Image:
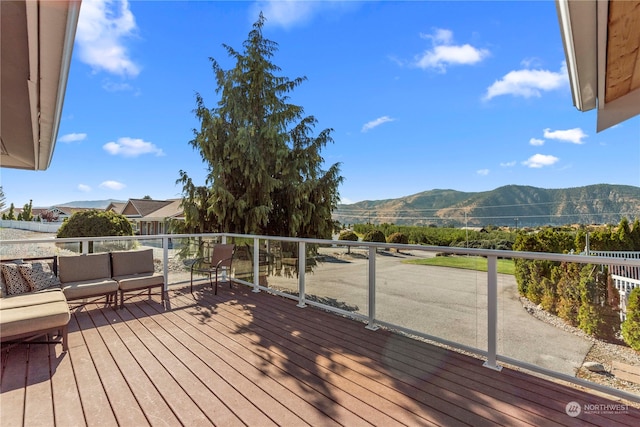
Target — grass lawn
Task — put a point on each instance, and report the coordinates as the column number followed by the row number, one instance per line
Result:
column 505, row 266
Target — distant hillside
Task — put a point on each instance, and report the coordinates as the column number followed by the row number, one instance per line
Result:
column 511, row 205
column 95, row 204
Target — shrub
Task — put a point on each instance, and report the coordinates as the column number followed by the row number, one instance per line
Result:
column 374, row 236
column 94, row 223
column 631, row 326
column 348, row 235
column 399, row 238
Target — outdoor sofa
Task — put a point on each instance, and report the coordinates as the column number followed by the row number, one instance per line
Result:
column 32, row 303
column 34, row 300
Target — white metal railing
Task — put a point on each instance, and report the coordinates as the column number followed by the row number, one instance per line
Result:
column 372, row 321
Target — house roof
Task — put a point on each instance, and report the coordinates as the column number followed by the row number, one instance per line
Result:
column 152, row 208
column 117, row 207
column 602, row 47
column 37, row 42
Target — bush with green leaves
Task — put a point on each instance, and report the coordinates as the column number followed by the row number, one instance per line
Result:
column 399, row 238
column 95, row 223
column 348, row 235
column 374, row 236
column 631, row 326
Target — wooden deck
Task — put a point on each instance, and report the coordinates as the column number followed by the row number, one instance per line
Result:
column 241, row 358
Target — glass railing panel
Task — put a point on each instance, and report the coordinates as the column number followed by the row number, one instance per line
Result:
column 550, row 314
column 415, row 292
column 278, row 265
column 337, row 276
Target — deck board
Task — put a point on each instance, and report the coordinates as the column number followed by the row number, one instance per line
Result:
column 241, row 358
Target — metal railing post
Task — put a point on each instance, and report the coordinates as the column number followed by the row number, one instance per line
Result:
column 302, row 267
column 492, row 313
column 165, row 262
column 256, row 265
column 372, row 289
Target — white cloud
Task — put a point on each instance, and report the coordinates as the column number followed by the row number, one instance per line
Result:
column 483, row 172
column 291, row 13
column 285, row 13
column 346, row 201
column 131, row 147
column 444, row 53
column 110, row 86
column 536, row 141
column 574, row 135
column 540, row 160
column 508, row 164
column 84, row 188
column 528, row 83
column 103, row 26
column 375, row 123
column 73, row 137
column 112, row 185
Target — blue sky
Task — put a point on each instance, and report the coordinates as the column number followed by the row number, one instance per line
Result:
column 468, row 96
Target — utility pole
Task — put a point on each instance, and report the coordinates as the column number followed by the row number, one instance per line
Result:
column 516, row 219
column 466, row 228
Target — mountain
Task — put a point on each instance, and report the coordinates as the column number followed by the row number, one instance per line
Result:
column 95, row 204
column 511, row 205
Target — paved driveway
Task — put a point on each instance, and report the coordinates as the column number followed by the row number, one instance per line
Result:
column 443, row 302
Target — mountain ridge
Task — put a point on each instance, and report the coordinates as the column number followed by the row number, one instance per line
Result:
column 504, row 206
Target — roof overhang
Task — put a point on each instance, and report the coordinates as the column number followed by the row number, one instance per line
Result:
column 36, row 40
column 602, row 47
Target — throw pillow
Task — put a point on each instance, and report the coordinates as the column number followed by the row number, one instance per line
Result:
column 3, row 286
column 38, row 275
column 14, row 280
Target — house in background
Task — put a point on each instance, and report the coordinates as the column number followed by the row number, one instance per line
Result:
column 149, row 217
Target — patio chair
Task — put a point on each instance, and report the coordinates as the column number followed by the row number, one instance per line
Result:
column 220, row 258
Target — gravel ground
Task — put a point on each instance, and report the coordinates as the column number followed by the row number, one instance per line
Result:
column 601, row 352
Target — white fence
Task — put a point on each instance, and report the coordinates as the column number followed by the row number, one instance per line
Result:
column 625, row 277
column 42, row 227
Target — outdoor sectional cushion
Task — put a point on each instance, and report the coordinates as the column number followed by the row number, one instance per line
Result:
column 76, row 268
column 139, row 281
column 89, row 288
column 126, row 263
column 85, row 276
column 33, row 312
column 134, row 270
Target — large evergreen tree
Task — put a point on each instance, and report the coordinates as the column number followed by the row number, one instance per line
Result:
column 264, row 165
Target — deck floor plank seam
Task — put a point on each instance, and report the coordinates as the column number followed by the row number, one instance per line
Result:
column 146, row 393
column 112, row 379
column 200, row 370
column 272, row 385
column 539, row 416
column 93, row 397
column 14, row 385
column 66, row 398
column 172, row 390
column 480, row 374
column 490, row 413
column 447, row 420
column 317, row 355
column 285, row 378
